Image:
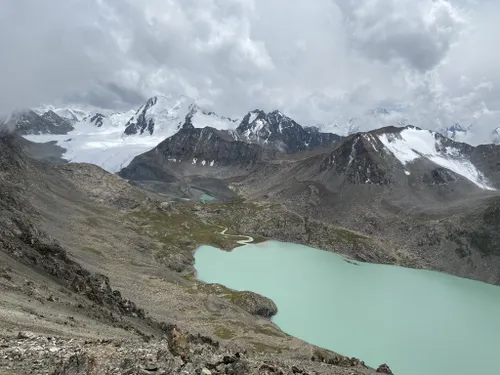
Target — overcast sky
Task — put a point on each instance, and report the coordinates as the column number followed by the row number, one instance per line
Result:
column 435, row 61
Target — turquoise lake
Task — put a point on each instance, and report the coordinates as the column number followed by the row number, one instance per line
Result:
column 418, row 322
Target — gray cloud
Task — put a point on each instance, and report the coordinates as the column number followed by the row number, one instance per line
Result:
column 321, row 60
column 419, row 33
column 108, row 95
column 49, row 48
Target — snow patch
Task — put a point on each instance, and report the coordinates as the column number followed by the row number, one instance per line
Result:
column 353, row 152
column 411, row 144
column 259, row 124
column 201, row 119
column 253, row 116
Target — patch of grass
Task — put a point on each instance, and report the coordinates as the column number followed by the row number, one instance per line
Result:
column 186, row 228
column 265, row 348
column 258, row 239
column 181, row 231
column 267, row 331
column 224, row 333
column 190, row 277
column 89, row 249
column 347, row 236
column 92, row 222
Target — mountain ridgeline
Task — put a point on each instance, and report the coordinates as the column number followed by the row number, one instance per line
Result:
column 29, row 122
column 281, row 132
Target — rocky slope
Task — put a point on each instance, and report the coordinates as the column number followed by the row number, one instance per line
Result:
column 102, row 276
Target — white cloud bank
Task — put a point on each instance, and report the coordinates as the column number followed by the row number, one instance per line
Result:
column 433, row 61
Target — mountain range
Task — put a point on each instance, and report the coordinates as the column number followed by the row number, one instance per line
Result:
column 112, row 141
column 173, row 148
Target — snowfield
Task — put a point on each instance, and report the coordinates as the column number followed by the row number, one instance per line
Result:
column 411, row 144
column 105, row 146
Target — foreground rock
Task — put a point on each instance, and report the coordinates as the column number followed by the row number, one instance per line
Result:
column 255, row 304
column 176, row 353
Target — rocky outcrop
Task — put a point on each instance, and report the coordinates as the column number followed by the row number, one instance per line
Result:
column 199, row 356
column 255, row 304
column 384, row 369
column 97, row 119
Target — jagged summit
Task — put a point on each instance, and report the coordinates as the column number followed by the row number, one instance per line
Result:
column 274, row 129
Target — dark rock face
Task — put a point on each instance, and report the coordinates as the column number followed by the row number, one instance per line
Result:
column 358, row 160
column 384, row 369
column 97, row 119
column 279, row 131
column 205, row 147
column 139, row 124
column 210, row 145
column 439, row 176
column 28, row 122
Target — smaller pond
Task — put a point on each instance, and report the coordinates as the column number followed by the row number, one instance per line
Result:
column 207, row 198
column 419, row 322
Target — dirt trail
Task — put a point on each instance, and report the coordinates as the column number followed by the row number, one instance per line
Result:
column 239, row 242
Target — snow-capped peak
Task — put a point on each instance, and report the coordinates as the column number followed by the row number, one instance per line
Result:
column 260, row 125
column 165, row 115
column 279, row 131
column 160, row 114
column 413, row 143
column 496, row 136
column 72, row 114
